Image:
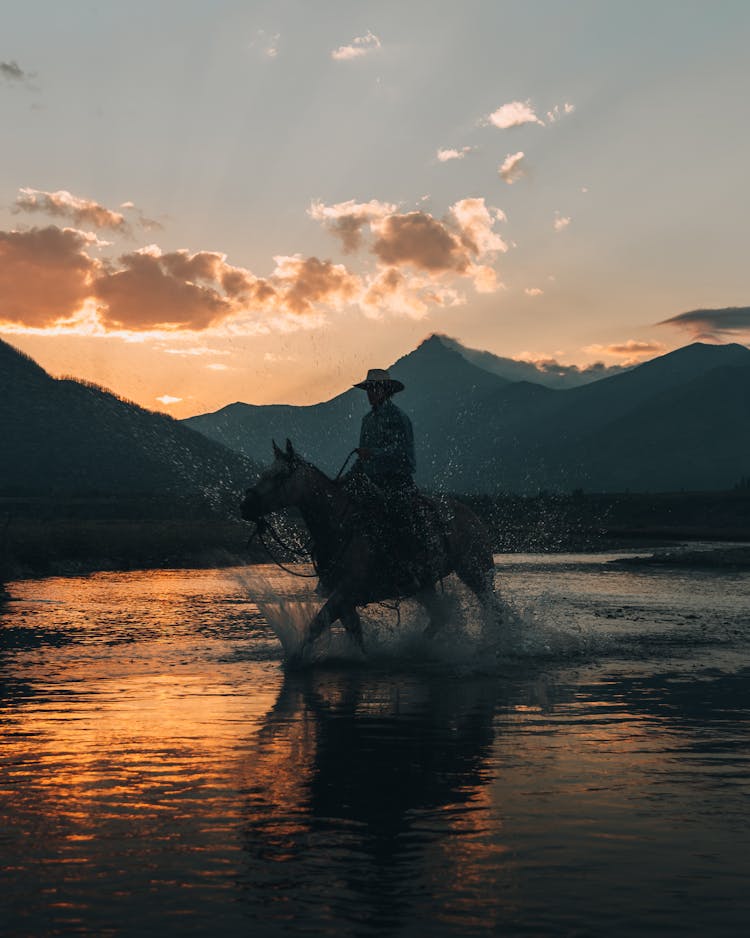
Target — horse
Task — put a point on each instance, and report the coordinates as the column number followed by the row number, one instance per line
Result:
column 353, row 565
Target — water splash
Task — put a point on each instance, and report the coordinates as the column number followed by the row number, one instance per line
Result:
column 477, row 637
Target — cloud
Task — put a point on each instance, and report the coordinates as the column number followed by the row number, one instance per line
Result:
column 418, row 239
column 152, row 290
column 359, row 46
column 305, row 281
column 533, row 291
column 200, row 350
column 559, row 111
column 347, row 219
column 394, row 291
column 48, row 280
column 475, row 221
column 64, row 204
column 513, row 114
column 511, row 169
column 561, row 222
column 12, row 71
column 712, row 324
column 445, row 155
column 45, row 275
column 149, row 224
column 167, row 399
column 632, row 350
column 454, row 245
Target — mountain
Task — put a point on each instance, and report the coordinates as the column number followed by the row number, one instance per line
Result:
column 676, row 422
column 65, row 437
column 549, row 374
column 440, row 387
column 636, row 430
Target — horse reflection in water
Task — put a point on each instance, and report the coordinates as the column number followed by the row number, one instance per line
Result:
column 356, row 567
column 359, row 786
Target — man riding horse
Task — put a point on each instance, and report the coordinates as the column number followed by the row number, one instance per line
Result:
column 381, row 480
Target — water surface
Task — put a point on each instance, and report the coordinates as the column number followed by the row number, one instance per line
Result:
column 583, row 773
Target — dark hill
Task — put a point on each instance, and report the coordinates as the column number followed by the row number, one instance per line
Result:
column 65, row 437
column 677, row 421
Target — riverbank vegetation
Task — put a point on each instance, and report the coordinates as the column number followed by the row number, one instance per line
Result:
column 46, row 536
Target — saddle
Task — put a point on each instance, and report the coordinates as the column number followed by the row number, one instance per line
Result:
column 407, row 528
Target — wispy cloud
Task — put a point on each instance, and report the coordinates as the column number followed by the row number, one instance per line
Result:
column 12, row 72
column 633, row 352
column 149, row 224
column 561, row 222
column 633, row 348
column 513, row 114
column 357, row 48
column 446, row 155
column 64, row 204
column 266, row 43
column 560, row 110
column 512, row 168
column 533, row 291
column 518, row 113
column 167, row 399
column 712, row 324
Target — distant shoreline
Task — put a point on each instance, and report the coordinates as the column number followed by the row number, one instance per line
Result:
column 47, row 537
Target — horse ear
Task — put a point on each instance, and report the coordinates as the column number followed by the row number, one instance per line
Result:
column 289, row 449
column 278, row 453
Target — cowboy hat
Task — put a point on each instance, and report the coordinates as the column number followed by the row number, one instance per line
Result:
column 377, row 376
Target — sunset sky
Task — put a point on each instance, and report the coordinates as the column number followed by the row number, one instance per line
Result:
column 205, row 202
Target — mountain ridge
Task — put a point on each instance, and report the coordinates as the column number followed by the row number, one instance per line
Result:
column 479, row 432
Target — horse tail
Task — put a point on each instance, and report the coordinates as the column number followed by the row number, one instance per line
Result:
column 470, row 549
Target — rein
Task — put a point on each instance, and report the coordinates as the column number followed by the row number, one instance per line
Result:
column 346, row 463
column 260, row 528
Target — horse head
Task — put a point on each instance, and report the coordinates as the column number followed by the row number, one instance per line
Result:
column 279, row 486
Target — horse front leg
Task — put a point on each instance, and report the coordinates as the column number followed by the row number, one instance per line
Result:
column 329, row 613
column 435, row 607
column 353, row 625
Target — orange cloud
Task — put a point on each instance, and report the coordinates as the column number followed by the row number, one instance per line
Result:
column 439, row 248
column 419, row 239
column 304, row 281
column 146, row 293
column 632, row 350
column 347, row 219
column 393, row 291
column 45, row 275
column 64, row 204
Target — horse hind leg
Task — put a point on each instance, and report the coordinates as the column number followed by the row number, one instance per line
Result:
column 353, row 625
column 480, row 582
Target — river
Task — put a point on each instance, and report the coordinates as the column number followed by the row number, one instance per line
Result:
column 582, row 770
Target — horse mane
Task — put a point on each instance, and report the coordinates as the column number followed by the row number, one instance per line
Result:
column 316, row 469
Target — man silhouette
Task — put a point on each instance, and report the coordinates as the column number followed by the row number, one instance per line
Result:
column 382, row 478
